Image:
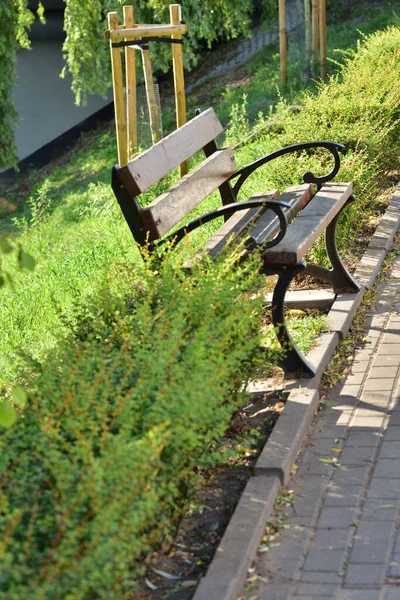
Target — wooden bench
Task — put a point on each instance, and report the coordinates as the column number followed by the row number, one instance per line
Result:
column 262, row 221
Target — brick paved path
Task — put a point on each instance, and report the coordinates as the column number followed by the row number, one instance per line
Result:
column 342, row 539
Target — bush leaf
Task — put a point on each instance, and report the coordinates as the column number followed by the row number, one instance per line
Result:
column 8, row 414
column 19, row 395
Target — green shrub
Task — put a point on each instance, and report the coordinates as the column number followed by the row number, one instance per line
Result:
column 358, row 107
column 103, row 454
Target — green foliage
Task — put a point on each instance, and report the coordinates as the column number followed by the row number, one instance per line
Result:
column 359, row 107
column 115, row 425
column 87, row 52
column 16, row 20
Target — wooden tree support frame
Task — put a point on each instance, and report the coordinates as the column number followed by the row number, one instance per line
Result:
column 315, row 27
column 125, row 111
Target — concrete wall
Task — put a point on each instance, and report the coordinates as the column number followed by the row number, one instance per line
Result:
column 44, row 100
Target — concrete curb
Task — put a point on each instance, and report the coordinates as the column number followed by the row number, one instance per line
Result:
column 227, row 573
column 280, row 452
column 241, row 540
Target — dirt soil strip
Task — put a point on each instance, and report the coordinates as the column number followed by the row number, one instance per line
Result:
column 227, row 573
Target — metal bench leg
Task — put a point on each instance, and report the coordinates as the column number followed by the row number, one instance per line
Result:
column 294, row 362
column 339, row 278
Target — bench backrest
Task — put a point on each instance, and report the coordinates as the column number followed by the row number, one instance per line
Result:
column 166, row 211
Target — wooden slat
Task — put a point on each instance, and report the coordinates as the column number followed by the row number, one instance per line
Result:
column 170, row 208
column 148, row 168
column 309, row 224
column 236, row 225
column 268, row 224
column 258, row 224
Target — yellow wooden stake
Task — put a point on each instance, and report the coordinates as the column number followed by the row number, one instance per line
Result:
column 179, row 81
column 130, row 76
column 322, row 33
column 283, row 40
column 314, row 27
column 120, row 121
column 151, row 97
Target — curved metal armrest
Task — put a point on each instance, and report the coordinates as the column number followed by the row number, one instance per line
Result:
column 230, row 209
column 308, row 177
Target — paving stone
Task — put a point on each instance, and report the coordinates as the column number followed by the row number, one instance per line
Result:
column 384, row 489
column 396, row 549
column 371, row 575
column 351, row 388
column 305, row 506
column 391, row 349
column 362, row 422
column 315, row 590
column 330, row 431
column 318, row 577
column 394, row 417
column 339, row 414
column 387, row 467
column 375, row 399
column 360, row 366
column 391, row 338
column 394, row 567
column 351, row 475
column 357, row 456
column 274, row 592
column 392, row 592
column 355, row 378
column 343, row 495
column 312, row 485
column 385, row 360
column 378, row 510
column 374, row 531
column 363, row 438
column 344, row 400
column 337, row 516
column 390, row 449
column 382, row 372
column 358, row 594
column 313, row 466
column 369, row 552
column 331, row 539
column 373, row 385
column 328, row 561
column 392, row 432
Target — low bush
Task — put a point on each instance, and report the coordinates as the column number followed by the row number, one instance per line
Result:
column 102, row 457
column 358, row 107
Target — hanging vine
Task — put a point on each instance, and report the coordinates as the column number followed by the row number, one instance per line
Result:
column 16, row 20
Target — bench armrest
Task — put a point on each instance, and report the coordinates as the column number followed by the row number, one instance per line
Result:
column 308, row 177
column 230, row 209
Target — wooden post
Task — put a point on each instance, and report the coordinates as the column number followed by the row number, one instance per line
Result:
column 130, row 77
column 151, row 97
column 283, row 40
column 315, row 24
column 179, row 81
column 120, row 121
column 322, row 33
column 307, row 25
